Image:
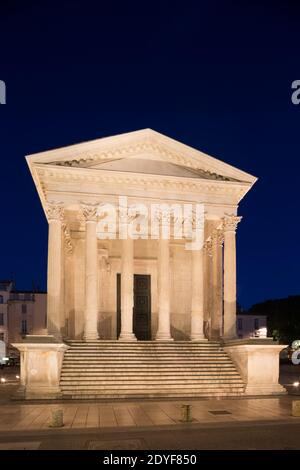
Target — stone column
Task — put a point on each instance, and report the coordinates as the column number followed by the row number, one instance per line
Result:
column 54, row 276
column 229, row 227
column 91, row 274
column 217, row 287
column 197, row 312
column 68, row 273
column 207, row 287
column 127, row 274
column 164, row 321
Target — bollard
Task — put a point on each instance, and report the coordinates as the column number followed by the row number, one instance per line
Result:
column 57, row 419
column 186, row 413
column 296, row 408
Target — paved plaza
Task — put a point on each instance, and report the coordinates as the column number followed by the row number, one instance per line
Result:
column 25, row 417
column 256, row 423
column 152, row 425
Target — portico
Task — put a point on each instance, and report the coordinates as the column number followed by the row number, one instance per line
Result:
column 193, row 292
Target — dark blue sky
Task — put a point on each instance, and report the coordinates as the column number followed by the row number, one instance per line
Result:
column 215, row 75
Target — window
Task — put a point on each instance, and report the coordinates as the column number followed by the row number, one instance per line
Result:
column 1, row 299
column 24, row 327
column 1, row 319
column 256, row 323
column 24, row 308
column 240, row 323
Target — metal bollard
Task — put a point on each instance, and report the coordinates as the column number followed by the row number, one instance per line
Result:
column 296, row 408
column 186, row 413
column 57, row 419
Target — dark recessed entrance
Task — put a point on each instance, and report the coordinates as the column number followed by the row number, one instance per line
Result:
column 142, row 306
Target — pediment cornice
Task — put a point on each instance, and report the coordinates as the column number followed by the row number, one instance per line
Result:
column 147, row 143
column 144, row 181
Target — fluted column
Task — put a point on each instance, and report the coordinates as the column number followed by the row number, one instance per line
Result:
column 67, row 266
column 229, row 226
column 217, row 285
column 54, row 276
column 164, row 318
column 127, row 264
column 91, row 274
column 207, row 287
column 197, row 310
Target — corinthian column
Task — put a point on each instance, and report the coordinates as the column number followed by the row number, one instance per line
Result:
column 229, row 226
column 164, row 323
column 54, row 277
column 127, row 263
column 197, row 310
column 91, row 274
column 217, row 275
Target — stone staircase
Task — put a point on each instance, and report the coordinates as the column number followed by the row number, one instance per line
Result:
column 148, row 369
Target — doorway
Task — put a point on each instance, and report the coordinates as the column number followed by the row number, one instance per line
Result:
column 141, row 309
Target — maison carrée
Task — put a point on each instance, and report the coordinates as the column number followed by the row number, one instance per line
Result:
column 142, row 275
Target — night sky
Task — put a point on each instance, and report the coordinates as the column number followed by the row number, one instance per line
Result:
column 215, row 75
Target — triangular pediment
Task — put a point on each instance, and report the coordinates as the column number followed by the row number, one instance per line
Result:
column 149, row 166
column 144, row 151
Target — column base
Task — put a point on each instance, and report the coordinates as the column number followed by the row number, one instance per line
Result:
column 163, row 337
column 198, row 337
column 90, row 337
column 127, row 337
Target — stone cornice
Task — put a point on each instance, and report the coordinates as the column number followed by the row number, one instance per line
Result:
column 141, row 181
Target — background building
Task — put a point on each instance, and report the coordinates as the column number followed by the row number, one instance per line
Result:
column 5, row 289
column 251, row 326
column 21, row 313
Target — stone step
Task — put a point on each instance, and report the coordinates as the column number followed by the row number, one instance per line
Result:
column 154, row 395
column 146, row 353
column 145, row 363
column 147, row 373
column 114, row 369
column 141, row 343
column 160, row 358
column 149, row 348
column 140, row 367
column 156, row 356
column 147, row 387
column 150, row 382
column 150, row 396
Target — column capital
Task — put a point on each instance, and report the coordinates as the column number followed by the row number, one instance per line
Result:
column 89, row 211
column 54, row 211
column 230, row 222
column 127, row 216
column 217, row 237
column 67, row 238
column 163, row 216
column 208, row 247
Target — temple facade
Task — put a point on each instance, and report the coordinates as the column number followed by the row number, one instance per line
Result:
column 139, row 287
column 142, row 275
